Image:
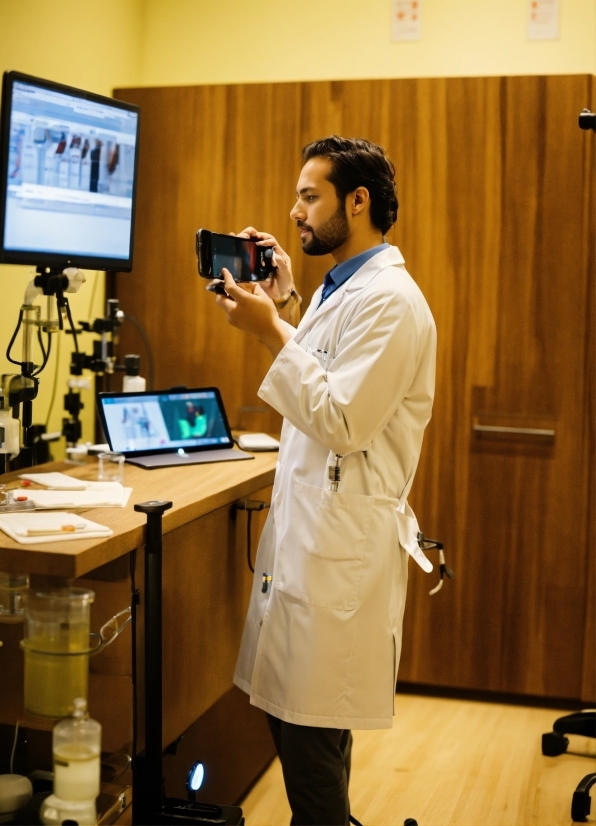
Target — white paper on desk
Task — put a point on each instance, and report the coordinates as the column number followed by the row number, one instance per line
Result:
column 97, row 495
column 16, row 525
column 55, row 481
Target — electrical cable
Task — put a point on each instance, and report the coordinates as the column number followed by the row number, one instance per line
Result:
column 12, row 341
column 72, row 326
column 248, row 553
column 55, row 383
column 147, row 345
column 46, row 355
column 14, row 747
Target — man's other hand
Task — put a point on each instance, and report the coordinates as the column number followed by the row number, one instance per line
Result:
column 249, row 308
column 282, row 281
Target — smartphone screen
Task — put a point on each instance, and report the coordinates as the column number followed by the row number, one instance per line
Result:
column 241, row 256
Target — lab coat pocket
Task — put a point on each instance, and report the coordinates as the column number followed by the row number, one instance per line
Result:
column 322, row 553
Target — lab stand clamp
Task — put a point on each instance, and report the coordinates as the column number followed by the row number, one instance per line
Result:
column 149, row 804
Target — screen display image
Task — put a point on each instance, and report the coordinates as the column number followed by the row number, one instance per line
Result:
column 239, row 256
column 70, row 173
column 165, row 421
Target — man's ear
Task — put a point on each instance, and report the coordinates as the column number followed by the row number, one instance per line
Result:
column 358, row 200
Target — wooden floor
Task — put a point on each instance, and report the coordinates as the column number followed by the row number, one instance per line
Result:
column 450, row 763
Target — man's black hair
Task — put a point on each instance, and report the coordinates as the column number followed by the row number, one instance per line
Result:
column 356, row 162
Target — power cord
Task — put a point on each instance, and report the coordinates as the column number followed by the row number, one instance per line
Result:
column 250, row 506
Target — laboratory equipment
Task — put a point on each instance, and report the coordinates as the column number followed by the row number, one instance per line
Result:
column 13, row 588
column 76, row 748
column 111, row 467
column 148, row 802
column 57, row 650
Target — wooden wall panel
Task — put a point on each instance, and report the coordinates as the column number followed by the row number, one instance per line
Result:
column 496, row 183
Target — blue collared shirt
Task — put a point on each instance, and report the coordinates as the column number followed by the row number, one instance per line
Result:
column 341, row 272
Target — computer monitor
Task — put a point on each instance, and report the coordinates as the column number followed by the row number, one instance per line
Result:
column 68, row 170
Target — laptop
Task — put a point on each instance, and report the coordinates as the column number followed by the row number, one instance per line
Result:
column 166, row 428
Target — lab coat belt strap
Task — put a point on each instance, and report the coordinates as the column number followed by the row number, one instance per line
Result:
column 407, row 531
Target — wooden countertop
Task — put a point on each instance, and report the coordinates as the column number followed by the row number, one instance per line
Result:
column 194, row 491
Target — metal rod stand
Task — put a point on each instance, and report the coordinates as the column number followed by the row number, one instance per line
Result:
column 147, row 793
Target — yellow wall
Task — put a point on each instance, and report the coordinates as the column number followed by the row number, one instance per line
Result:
column 229, row 41
column 119, row 43
column 96, row 47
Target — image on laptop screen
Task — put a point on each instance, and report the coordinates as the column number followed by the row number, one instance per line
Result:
column 147, row 422
column 70, row 174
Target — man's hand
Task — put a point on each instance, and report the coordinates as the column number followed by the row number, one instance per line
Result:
column 249, row 308
column 279, row 284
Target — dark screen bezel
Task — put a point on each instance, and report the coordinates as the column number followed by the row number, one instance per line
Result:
column 40, row 257
column 156, row 450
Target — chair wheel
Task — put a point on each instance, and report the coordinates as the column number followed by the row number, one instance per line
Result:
column 554, row 744
column 580, row 807
column 410, row 822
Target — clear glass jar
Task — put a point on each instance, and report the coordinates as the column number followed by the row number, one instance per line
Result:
column 56, row 649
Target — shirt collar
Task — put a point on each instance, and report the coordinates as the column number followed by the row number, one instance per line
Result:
column 340, row 273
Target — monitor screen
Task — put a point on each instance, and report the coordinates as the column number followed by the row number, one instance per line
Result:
column 168, row 421
column 67, row 175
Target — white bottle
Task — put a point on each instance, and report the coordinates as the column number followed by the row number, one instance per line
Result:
column 76, row 746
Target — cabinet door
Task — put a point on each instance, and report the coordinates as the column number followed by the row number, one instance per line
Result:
column 512, row 443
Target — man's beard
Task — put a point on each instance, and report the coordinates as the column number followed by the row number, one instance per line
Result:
column 331, row 235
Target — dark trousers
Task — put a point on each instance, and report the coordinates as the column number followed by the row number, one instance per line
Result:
column 316, row 768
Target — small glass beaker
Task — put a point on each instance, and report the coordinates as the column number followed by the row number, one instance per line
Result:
column 57, row 650
column 111, row 467
column 12, row 591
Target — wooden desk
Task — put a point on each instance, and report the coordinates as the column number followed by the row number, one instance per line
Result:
column 206, row 586
column 194, row 490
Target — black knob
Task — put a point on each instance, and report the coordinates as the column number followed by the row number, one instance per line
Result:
column 153, row 506
column 132, row 365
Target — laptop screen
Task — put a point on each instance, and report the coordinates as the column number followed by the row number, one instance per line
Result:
column 160, row 422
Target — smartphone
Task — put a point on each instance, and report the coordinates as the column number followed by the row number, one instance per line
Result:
column 241, row 256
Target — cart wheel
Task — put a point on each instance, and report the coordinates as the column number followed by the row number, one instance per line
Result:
column 554, row 744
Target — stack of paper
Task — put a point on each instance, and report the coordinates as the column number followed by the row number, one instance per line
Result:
column 32, row 528
column 55, row 481
column 93, row 495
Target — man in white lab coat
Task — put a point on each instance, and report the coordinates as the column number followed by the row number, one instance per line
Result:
column 355, row 384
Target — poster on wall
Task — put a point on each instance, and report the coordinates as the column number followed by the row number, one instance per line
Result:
column 543, row 20
column 406, row 20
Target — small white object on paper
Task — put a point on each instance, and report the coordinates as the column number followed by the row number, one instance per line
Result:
column 406, row 20
column 543, row 19
column 33, row 528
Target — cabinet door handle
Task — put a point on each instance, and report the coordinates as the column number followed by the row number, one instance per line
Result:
column 524, row 431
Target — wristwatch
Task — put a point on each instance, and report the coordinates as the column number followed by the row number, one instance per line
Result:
column 292, row 295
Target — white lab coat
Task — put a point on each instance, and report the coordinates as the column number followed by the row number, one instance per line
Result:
column 322, row 646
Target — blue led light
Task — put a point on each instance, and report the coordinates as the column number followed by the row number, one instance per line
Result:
column 196, row 777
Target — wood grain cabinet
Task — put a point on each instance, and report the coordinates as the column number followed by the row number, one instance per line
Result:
column 496, row 187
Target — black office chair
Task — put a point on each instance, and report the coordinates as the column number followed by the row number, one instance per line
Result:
column 555, row 743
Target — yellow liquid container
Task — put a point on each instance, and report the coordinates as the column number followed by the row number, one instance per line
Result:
column 56, row 649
